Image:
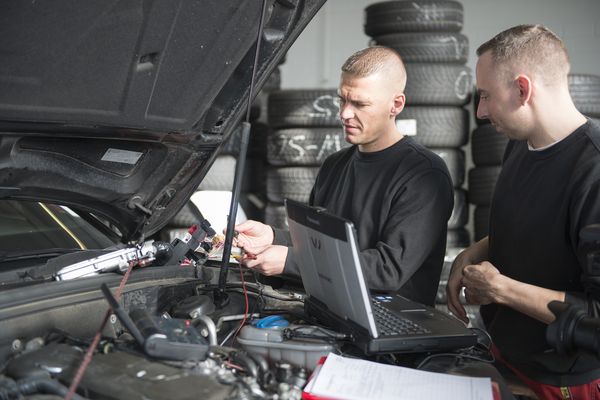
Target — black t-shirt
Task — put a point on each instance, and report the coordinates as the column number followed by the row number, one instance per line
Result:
column 541, row 202
column 399, row 200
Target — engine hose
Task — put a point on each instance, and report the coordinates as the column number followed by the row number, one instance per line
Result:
column 242, row 359
column 8, row 389
column 265, row 374
column 45, row 386
column 210, row 327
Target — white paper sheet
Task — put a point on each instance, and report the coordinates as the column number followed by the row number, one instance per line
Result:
column 349, row 378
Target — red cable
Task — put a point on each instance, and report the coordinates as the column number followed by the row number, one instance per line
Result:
column 245, row 312
column 90, row 352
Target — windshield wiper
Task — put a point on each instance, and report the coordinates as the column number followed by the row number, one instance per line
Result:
column 6, row 256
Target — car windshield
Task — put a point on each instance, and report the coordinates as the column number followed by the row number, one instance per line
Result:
column 32, row 230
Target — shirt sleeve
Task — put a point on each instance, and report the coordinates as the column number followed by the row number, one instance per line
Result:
column 416, row 223
column 281, row 237
column 585, row 210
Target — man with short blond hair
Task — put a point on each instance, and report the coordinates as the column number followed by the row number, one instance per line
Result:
column 548, row 190
column 377, row 59
column 397, row 193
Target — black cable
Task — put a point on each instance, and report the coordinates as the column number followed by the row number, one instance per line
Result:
column 250, row 288
column 260, row 296
column 326, row 335
column 491, row 359
column 487, row 335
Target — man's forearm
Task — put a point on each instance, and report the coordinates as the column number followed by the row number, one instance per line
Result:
column 477, row 252
column 525, row 298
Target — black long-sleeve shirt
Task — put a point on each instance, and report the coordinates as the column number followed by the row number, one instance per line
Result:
column 541, row 202
column 399, row 200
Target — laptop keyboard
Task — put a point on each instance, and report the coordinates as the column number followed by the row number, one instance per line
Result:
column 389, row 323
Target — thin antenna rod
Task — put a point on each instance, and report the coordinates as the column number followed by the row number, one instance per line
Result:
column 220, row 296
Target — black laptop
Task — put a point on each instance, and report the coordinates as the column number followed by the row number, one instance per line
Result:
column 326, row 248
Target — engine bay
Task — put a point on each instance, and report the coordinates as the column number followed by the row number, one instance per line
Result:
column 43, row 343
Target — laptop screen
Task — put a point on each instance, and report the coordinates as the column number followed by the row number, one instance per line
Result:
column 326, row 249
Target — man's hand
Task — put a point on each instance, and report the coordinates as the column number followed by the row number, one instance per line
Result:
column 253, row 236
column 479, row 281
column 474, row 254
column 484, row 284
column 454, row 286
column 269, row 262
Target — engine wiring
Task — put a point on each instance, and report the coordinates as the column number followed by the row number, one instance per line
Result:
column 260, row 296
column 478, row 352
column 247, row 305
column 90, row 352
column 257, row 288
column 315, row 332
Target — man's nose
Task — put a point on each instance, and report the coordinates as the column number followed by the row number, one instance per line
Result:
column 346, row 112
column 482, row 112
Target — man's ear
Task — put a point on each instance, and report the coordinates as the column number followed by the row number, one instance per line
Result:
column 525, row 87
column 398, row 106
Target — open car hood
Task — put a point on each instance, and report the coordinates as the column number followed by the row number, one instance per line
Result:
column 119, row 107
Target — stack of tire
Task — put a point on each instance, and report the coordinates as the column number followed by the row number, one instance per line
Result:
column 487, row 147
column 585, row 91
column 304, row 130
column 426, row 34
column 487, row 151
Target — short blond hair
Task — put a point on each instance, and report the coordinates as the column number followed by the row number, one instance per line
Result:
column 376, row 59
column 535, row 47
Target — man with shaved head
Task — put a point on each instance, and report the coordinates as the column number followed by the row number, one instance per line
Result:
column 548, row 190
column 397, row 193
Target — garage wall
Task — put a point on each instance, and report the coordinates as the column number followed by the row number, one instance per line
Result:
column 337, row 31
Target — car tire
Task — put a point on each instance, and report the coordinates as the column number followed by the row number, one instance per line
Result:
column 290, row 182
column 482, row 181
column 428, row 47
column 457, row 238
column 487, row 146
column 309, row 146
column 276, row 216
column 585, row 91
column 412, row 16
column 437, row 126
column 455, row 161
column 302, row 108
column 438, row 84
column 481, row 222
column 460, row 212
